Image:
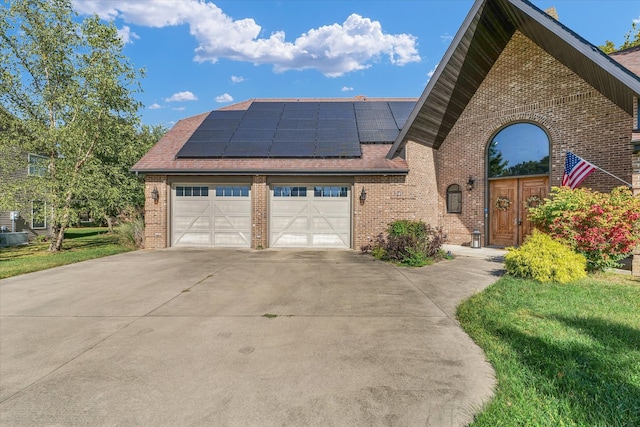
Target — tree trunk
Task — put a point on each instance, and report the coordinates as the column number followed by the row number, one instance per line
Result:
column 110, row 221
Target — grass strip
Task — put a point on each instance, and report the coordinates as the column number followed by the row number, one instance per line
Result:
column 564, row 355
column 80, row 244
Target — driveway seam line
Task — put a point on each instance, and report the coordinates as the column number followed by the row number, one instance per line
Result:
column 69, row 361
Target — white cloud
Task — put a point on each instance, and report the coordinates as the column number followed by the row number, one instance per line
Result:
column 446, row 38
column 237, row 79
column 181, row 97
column 154, row 106
column 346, row 89
column 179, row 108
column 224, row 98
column 333, row 49
column 637, row 20
column 126, row 35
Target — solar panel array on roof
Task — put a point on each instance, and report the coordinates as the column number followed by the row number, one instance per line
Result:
column 297, row 129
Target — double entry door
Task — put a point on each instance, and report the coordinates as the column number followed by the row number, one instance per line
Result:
column 509, row 203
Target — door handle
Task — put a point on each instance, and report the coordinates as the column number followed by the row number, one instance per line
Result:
column 519, row 221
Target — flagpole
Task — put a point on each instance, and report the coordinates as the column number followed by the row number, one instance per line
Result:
column 612, row 175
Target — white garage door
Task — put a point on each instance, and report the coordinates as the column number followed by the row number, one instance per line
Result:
column 310, row 216
column 211, row 215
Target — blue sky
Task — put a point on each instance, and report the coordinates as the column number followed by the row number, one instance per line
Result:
column 204, row 55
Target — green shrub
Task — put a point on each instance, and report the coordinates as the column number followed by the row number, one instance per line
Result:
column 544, row 259
column 604, row 227
column 412, row 243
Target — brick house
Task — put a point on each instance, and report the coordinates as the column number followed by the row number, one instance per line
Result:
column 488, row 136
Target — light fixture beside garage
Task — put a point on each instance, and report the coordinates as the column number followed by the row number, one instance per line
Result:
column 155, row 195
column 363, row 196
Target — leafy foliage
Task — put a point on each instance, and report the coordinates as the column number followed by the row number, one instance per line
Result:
column 604, row 227
column 544, row 259
column 66, row 92
column 631, row 39
column 412, row 243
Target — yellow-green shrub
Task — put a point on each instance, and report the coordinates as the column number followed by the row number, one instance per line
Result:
column 544, row 259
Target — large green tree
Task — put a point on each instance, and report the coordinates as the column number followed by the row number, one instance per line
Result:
column 631, row 39
column 67, row 93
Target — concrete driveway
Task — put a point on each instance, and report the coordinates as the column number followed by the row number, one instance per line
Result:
column 240, row 337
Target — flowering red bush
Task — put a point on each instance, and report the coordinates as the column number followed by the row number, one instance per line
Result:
column 604, row 227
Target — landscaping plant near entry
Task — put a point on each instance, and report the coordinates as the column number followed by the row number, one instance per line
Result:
column 412, row 243
column 604, row 227
column 544, row 259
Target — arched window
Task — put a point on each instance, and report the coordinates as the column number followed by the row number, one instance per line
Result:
column 519, row 149
column 454, row 199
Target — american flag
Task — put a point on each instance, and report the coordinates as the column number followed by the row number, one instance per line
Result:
column 576, row 170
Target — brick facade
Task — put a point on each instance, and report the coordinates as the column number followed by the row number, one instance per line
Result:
column 155, row 217
column 526, row 84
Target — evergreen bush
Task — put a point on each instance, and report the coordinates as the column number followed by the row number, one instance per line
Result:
column 544, row 259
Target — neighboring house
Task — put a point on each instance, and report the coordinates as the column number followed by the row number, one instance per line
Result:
column 35, row 222
column 514, row 92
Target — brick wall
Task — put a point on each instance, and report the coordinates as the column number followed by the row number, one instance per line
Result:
column 155, row 217
column 391, row 198
column 259, row 219
column 527, row 84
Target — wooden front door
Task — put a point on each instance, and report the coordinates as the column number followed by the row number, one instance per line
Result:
column 508, row 200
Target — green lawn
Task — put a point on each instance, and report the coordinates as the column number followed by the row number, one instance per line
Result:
column 564, row 355
column 80, row 244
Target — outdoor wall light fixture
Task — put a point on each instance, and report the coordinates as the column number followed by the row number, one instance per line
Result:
column 363, row 196
column 470, row 183
column 155, row 195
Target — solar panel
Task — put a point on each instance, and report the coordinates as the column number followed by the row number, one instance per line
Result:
column 376, row 123
column 259, row 124
column 379, row 136
column 401, row 111
column 266, row 106
column 225, row 114
column 336, row 124
column 204, row 135
column 197, row 149
column 218, row 124
column 292, row 149
column 300, row 110
column 371, row 106
column 330, row 135
column 247, row 149
column 298, row 124
column 338, row 149
column 297, row 135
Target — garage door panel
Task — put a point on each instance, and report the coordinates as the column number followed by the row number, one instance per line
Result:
column 232, row 223
column 192, row 239
column 235, row 207
column 324, row 224
column 207, row 219
column 231, row 239
column 319, row 219
column 329, row 240
column 291, row 240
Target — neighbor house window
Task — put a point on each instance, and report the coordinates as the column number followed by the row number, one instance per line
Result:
column 38, row 215
column 232, row 191
column 37, row 165
column 454, row 199
column 334, row 191
column 192, row 191
column 287, row 191
column 519, row 149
